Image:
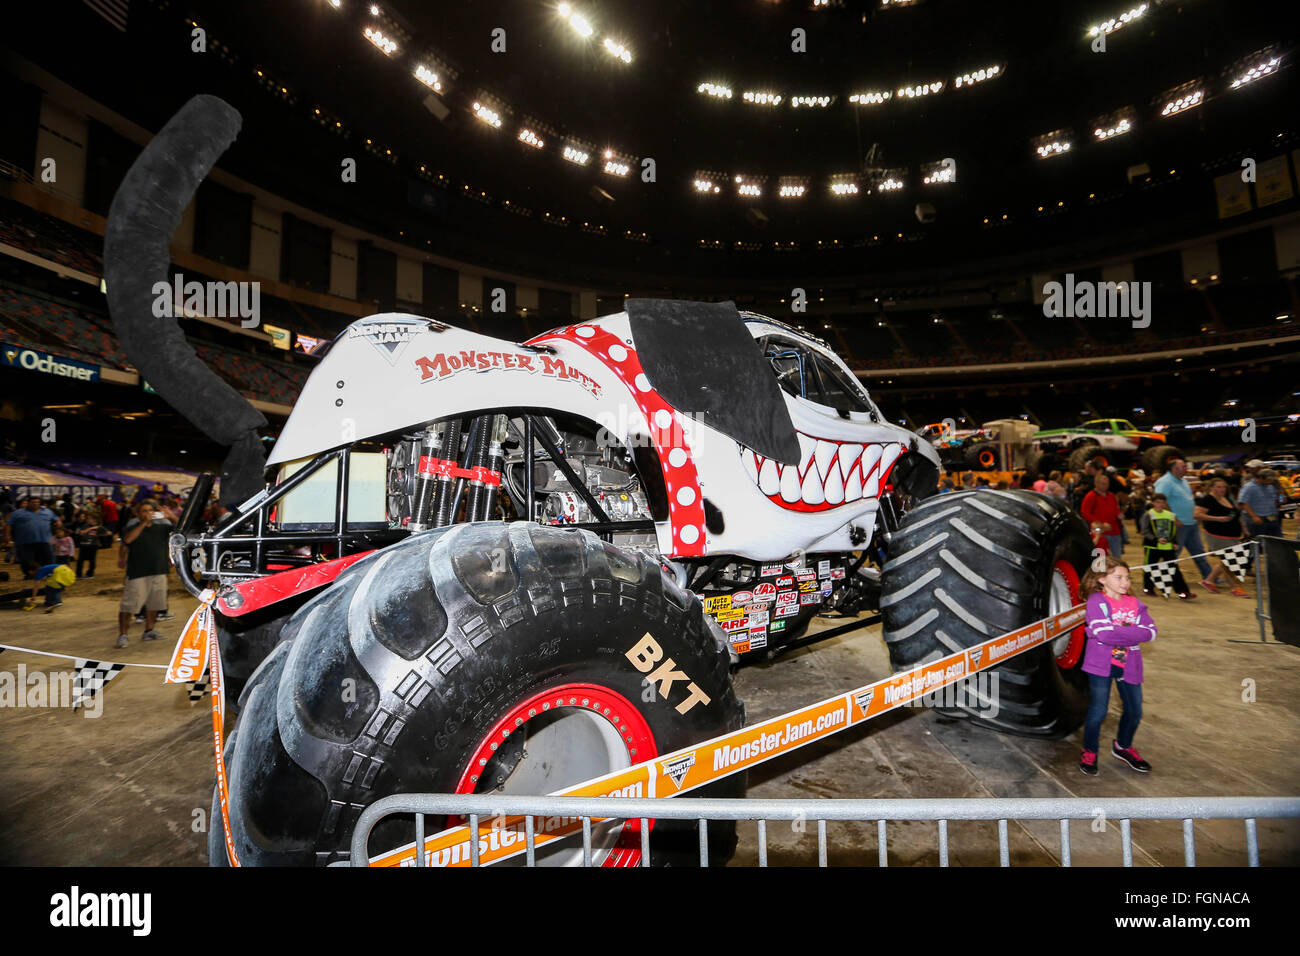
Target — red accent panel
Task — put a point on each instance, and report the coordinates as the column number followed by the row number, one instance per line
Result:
column 685, row 500
column 273, row 588
column 446, row 468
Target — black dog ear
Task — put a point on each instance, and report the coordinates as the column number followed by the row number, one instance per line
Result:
column 144, row 215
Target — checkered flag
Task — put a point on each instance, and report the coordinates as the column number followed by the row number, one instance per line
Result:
column 90, row 678
column 1162, row 576
column 198, row 688
column 1236, row 559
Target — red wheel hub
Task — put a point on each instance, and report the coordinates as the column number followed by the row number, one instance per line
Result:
column 1070, row 656
column 592, row 699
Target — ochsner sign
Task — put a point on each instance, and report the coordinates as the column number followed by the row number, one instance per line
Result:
column 36, row 361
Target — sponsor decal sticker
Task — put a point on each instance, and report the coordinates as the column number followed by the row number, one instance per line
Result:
column 765, row 593
column 808, row 586
column 786, row 598
column 828, row 586
column 824, row 569
column 785, row 582
column 677, row 768
column 389, row 337
column 720, row 602
column 790, row 610
column 777, row 626
column 742, row 597
column 757, row 639
column 733, row 625
column 808, row 600
column 806, row 576
column 864, row 700
column 758, row 617
column 768, row 570
column 837, row 574
column 733, row 614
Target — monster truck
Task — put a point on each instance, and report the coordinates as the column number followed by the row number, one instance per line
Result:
column 1106, row 441
column 476, row 565
column 961, row 449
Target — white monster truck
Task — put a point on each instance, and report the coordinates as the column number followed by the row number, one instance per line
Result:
column 475, row 565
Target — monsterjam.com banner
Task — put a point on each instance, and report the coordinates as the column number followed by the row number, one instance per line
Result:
column 694, row 767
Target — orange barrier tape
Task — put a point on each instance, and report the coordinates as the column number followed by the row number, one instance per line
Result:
column 199, row 641
column 708, row 761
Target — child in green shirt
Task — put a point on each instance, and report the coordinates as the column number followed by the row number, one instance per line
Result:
column 1159, row 529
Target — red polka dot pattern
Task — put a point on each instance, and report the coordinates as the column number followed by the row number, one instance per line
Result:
column 685, row 501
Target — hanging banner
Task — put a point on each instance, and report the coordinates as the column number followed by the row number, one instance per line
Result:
column 1232, row 195
column 1273, row 181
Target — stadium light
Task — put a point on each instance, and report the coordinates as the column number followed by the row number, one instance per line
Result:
column 1113, row 124
column 792, row 187
column 872, row 98
column 814, row 101
column 762, row 98
column 428, row 78
column 749, row 186
column 719, row 90
column 708, row 183
column 576, row 155
column 844, row 184
column 487, row 115
column 978, row 76
column 924, row 89
column 1259, row 69
column 581, row 25
column 618, row 50
column 1055, row 143
column 1183, row 103
column 615, row 164
column 1107, row 27
column 529, row 138
column 387, row 45
column 939, row 172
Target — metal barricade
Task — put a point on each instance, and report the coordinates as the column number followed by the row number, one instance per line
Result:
column 1124, row 809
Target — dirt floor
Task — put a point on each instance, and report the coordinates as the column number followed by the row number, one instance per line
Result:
column 132, row 786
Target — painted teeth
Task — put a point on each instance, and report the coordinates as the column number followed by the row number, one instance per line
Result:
column 828, row 473
column 835, row 488
column 790, row 486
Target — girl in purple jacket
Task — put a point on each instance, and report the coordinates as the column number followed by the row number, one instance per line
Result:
column 1118, row 624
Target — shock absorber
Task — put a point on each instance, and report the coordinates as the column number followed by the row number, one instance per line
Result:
column 426, row 476
column 486, row 468
column 442, row 466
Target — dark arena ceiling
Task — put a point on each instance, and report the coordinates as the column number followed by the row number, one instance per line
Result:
column 896, row 92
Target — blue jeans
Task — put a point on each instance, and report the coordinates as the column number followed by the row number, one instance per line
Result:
column 1189, row 536
column 1130, row 696
column 53, row 595
column 1272, row 527
column 1116, row 544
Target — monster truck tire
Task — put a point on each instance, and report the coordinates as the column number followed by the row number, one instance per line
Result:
column 403, row 675
column 1154, row 458
column 981, row 456
column 969, row 566
column 1088, row 451
column 242, row 652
